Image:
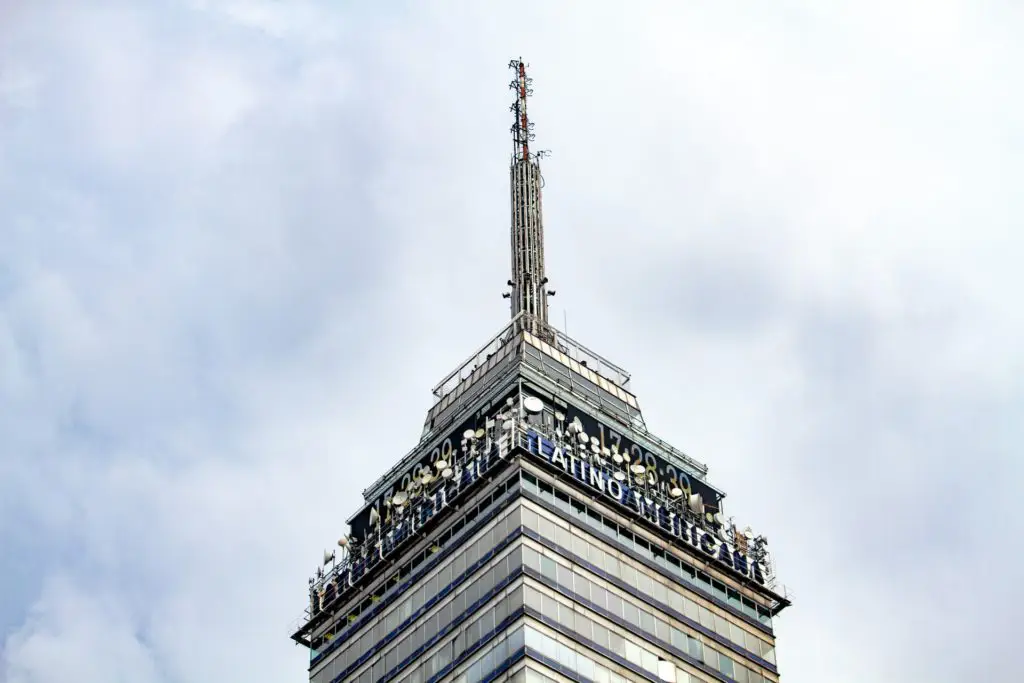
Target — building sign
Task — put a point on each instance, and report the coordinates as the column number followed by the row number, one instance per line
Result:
column 702, row 539
column 448, row 449
column 664, row 472
column 380, row 546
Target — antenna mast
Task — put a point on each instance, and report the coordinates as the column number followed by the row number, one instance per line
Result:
column 529, row 295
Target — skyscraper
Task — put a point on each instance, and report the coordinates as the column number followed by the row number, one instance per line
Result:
column 539, row 531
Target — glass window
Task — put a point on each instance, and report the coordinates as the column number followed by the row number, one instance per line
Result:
column 726, row 666
column 630, row 613
column 695, row 648
column 547, row 567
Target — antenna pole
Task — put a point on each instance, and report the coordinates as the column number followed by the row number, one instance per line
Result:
column 529, row 294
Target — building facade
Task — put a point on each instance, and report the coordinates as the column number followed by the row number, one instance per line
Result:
column 539, row 531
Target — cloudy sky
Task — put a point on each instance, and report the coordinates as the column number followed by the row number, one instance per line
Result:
column 240, row 241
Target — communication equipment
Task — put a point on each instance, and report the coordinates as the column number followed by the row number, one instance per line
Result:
column 533, row 405
column 480, row 433
column 637, row 468
column 696, row 504
column 328, row 556
column 447, row 473
column 619, row 476
column 441, row 464
column 345, row 540
column 469, row 435
column 374, row 520
column 400, row 499
column 584, row 438
column 675, row 492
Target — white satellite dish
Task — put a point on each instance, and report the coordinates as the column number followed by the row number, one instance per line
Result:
column 594, row 447
column 637, row 468
column 749, row 533
column 594, row 440
column 469, row 435
column 559, row 416
column 344, row 540
column 619, row 475
column 480, row 433
column 605, row 452
column 533, row 404
column 328, row 556
column 447, row 473
column 675, row 492
column 400, row 499
column 510, row 401
column 584, row 438
column 426, row 478
column 441, row 464
column 617, row 458
column 626, row 456
column 507, row 425
column 696, row 503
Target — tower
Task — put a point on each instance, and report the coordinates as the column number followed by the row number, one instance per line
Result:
column 539, row 531
column 529, row 294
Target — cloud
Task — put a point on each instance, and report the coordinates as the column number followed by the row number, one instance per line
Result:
column 244, row 239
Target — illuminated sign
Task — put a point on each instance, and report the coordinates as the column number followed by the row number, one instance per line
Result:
column 448, row 449
column 668, row 520
column 664, row 472
column 426, row 507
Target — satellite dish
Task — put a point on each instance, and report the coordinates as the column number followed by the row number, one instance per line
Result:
column 584, row 438
column 638, row 469
column 441, row 464
column 480, row 433
column 510, row 401
column 507, row 425
column 594, row 447
column 696, row 503
column 400, row 499
column 605, row 452
column 675, row 492
column 749, row 533
column 617, row 458
column 426, row 478
column 344, row 540
column 447, row 473
column 328, row 556
column 594, row 440
column 559, row 416
column 469, row 435
column 619, row 475
column 533, row 404
column 626, row 456
column 575, row 426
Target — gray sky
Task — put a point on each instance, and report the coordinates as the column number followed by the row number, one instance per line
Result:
column 240, row 241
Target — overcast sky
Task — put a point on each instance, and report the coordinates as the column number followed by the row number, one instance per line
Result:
column 241, row 240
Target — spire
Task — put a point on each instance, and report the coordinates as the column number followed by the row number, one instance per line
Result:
column 529, row 295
